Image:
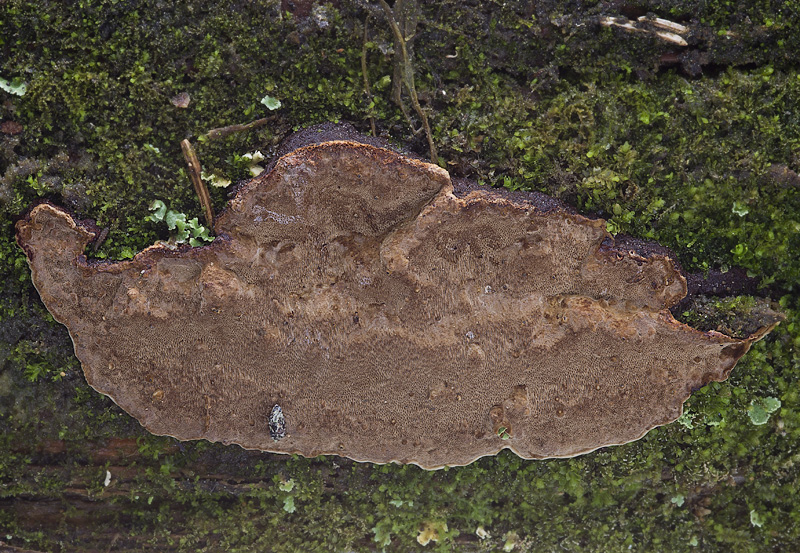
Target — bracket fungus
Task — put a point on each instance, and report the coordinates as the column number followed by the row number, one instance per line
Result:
column 357, row 302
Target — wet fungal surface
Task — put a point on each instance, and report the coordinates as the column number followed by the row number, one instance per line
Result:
column 356, row 303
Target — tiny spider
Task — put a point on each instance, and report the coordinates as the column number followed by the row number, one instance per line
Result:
column 277, row 423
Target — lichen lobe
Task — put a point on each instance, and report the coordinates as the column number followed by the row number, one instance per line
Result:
column 391, row 317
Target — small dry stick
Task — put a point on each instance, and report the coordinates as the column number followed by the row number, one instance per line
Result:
column 199, row 186
column 100, row 239
column 408, row 77
column 367, row 91
column 222, row 132
column 672, row 37
column 665, row 24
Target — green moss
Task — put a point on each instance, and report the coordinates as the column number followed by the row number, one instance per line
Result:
column 705, row 164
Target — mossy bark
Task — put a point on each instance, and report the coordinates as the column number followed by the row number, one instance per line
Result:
column 693, row 146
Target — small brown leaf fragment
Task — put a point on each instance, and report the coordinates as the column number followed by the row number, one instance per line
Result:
column 181, row 100
column 11, row 128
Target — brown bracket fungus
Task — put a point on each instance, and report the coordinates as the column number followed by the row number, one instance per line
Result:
column 356, row 303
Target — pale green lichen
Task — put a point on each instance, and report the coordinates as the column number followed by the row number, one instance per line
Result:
column 761, row 408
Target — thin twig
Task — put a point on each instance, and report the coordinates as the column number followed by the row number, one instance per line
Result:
column 408, row 78
column 100, row 239
column 222, row 132
column 665, row 24
column 199, row 186
column 367, row 91
column 624, row 23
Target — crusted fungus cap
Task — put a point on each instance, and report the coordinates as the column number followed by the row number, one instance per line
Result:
column 355, row 303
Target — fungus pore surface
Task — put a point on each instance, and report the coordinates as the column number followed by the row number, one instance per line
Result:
column 356, row 303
